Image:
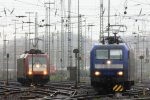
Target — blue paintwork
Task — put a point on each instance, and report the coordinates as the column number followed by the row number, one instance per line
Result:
column 110, row 72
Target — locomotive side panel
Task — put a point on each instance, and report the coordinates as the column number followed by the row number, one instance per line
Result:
column 20, row 68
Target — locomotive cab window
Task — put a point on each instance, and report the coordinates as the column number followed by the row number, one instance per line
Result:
column 116, row 54
column 39, row 63
column 102, row 54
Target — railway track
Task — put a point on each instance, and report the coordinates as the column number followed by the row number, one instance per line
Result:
column 14, row 91
column 66, row 91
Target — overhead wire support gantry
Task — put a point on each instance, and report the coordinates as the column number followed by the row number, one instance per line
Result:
column 4, row 50
column 25, row 32
column 15, row 66
column 29, row 29
column 49, row 29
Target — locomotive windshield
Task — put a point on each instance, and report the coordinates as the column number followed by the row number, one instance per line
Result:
column 115, row 54
column 39, row 63
column 109, row 54
column 102, row 54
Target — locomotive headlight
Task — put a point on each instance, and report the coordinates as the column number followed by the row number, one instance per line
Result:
column 108, row 62
column 45, row 72
column 120, row 73
column 97, row 73
column 37, row 65
column 30, row 72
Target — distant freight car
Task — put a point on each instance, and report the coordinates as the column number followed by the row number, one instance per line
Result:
column 33, row 68
column 112, row 66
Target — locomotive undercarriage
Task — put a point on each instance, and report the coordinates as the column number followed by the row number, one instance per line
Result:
column 105, row 85
column 34, row 80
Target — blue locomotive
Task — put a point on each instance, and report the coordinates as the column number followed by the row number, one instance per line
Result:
column 112, row 66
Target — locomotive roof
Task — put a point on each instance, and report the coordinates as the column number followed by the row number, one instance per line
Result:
column 26, row 54
column 23, row 56
column 100, row 44
column 112, row 40
column 34, row 51
column 110, row 45
column 31, row 51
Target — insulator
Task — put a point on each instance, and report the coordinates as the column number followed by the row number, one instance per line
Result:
column 125, row 12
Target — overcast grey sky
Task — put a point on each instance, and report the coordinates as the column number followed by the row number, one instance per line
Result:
column 137, row 11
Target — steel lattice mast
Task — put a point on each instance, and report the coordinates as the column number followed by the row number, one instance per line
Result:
column 46, row 30
column 62, row 35
column 101, row 20
column 69, row 35
column 58, row 50
column 81, row 47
